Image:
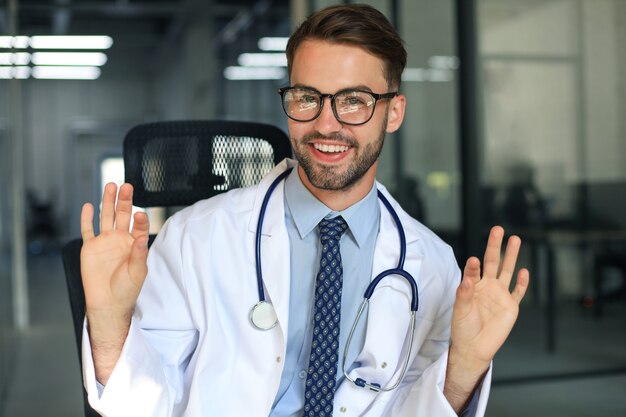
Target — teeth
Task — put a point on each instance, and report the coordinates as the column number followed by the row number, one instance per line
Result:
column 330, row 148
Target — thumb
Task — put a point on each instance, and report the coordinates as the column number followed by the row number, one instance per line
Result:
column 472, row 270
column 465, row 291
column 464, row 295
column 137, row 263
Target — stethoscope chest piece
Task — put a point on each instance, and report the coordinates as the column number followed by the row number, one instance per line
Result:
column 263, row 315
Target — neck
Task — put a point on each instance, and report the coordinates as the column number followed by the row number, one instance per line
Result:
column 338, row 200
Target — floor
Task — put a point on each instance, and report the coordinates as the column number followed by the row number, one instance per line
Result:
column 586, row 376
column 46, row 372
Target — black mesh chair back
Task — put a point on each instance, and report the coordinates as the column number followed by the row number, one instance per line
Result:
column 176, row 164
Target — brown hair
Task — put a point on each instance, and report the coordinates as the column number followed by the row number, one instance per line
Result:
column 358, row 25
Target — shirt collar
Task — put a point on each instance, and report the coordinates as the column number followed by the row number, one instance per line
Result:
column 307, row 211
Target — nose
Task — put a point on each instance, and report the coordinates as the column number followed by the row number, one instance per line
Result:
column 326, row 121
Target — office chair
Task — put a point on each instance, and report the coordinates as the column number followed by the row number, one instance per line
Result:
column 177, row 163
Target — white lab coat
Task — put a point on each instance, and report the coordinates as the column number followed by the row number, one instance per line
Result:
column 192, row 351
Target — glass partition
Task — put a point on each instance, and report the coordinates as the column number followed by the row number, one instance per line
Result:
column 553, row 169
column 6, row 316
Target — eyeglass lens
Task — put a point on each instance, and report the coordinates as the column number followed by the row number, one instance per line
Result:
column 351, row 106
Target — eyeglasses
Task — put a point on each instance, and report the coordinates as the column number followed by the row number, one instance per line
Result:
column 351, row 107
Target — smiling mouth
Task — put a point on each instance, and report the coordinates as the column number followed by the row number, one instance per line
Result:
column 330, row 148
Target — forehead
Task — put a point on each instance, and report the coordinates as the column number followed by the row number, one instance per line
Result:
column 330, row 67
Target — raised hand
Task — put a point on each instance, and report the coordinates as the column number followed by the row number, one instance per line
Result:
column 484, row 314
column 113, row 269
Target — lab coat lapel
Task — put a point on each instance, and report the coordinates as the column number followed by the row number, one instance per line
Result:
column 274, row 245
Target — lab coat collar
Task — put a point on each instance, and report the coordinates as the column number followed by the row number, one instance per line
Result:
column 275, row 214
column 276, row 205
column 388, row 227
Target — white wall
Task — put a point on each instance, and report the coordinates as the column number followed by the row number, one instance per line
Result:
column 185, row 82
column 603, row 49
column 55, row 111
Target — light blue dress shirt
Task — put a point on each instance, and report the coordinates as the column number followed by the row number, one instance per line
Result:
column 303, row 212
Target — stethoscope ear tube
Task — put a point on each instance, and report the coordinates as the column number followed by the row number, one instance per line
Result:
column 399, row 227
column 259, row 229
column 399, row 270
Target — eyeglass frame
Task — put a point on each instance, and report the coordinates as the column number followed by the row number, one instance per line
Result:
column 281, row 91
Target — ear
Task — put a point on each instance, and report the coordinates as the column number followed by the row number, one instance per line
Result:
column 395, row 113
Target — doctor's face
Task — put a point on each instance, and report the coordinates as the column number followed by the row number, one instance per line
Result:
column 336, row 156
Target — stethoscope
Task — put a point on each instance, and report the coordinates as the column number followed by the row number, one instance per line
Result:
column 263, row 316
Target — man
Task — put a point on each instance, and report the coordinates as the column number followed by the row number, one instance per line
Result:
column 181, row 342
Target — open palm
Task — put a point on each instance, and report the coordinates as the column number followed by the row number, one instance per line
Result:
column 485, row 309
column 113, row 264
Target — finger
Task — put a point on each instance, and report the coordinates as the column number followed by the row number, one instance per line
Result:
column 510, row 258
column 107, row 213
column 523, row 279
column 472, row 270
column 464, row 294
column 124, row 207
column 141, row 225
column 492, row 253
column 137, row 264
column 86, row 222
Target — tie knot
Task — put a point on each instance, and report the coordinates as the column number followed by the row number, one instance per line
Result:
column 332, row 228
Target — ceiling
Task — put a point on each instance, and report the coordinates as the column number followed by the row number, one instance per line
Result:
column 61, row 17
column 141, row 28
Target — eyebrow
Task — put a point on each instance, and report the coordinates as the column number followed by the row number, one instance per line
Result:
column 355, row 87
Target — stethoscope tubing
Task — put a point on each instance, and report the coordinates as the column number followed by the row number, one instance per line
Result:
column 398, row 270
column 259, row 228
column 372, row 386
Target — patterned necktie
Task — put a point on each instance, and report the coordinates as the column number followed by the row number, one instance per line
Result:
column 319, row 390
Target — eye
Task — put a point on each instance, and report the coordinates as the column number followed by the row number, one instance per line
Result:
column 308, row 98
column 305, row 100
column 303, row 95
column 355, row 98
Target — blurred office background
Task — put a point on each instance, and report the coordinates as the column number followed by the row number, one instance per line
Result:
column 516, row 115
